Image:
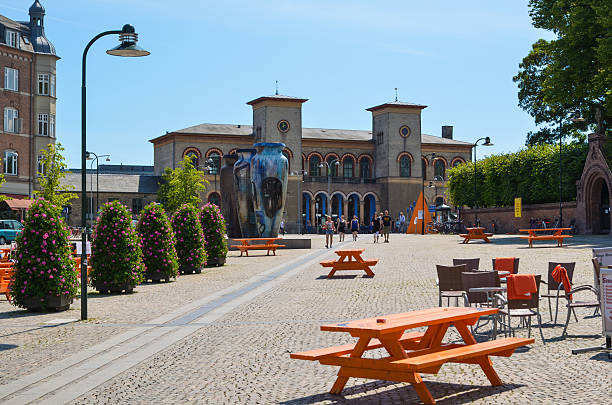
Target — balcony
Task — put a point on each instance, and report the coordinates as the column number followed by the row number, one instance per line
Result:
column 340, row 179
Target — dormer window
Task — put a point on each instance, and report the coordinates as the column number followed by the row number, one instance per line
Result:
column 11, row 38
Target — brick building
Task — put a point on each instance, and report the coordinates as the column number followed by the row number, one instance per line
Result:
column 357, row 171
column 27, row 99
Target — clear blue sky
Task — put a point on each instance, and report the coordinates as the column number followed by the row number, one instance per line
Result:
column 209, row 57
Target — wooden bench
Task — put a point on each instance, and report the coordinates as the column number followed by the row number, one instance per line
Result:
column 557, row 235
column 6, row 278
column 335, row 351
column 247, row 244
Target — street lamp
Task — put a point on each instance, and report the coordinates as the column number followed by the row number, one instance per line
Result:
column 88, row 157
column 326, row 164
column 487, row 142
column 433, row 156
column 299, row 200
column 127, row 48
column 212, row 166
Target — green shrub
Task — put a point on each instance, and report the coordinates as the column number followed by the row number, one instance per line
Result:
column 157, row 239
column 44, row 264
column 213, row 225
column 116, row 256
column 531, row 173
column 189, row 239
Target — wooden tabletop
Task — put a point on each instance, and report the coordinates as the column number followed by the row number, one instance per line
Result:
column 349, row 251
column 407, row 320
column 248, row 239
column 475, row 228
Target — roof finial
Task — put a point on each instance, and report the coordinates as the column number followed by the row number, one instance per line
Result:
column 276, row 91
column 396, row 94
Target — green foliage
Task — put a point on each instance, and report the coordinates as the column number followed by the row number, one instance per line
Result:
column 181, row 186
column 116, row 256
column 532, row 174
column 44, row 264
column 189, row 238
column 213, row 225
column 573, row 71
column 50, row 180
column 157, row 236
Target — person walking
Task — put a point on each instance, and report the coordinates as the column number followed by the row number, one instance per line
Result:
column 341, row 228
column 386, row 222
column 402, row 221
column 328, row 226
column 282, row 227
column 355, row 227
column 376, row 227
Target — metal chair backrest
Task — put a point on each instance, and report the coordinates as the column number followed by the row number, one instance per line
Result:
column 596, row 272
column 472, row 264
column 552, row 284
column 516, row 265
column 449, row 277
column 531, row 303
column 473, row 279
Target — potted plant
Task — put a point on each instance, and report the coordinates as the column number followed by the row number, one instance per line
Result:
column 213, row 225
column 45, row 276
column 189, row 239
column 157, row 239
column 116, row 256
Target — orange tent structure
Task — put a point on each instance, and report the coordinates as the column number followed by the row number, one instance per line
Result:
column 416, row 222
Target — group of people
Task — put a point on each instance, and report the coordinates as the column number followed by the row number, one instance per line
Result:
column 380, row 224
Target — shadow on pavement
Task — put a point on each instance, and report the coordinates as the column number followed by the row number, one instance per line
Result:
column 7, row 347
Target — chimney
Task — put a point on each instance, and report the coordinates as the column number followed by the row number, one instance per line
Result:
column 447, row 131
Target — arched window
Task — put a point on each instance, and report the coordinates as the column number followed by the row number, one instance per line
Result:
column 405, row 169
column 364, row 168
column 333, row 167
column 348, row 167
column 424, row 169
column 439, row 169
column 10, row 162
column 195, row 160
column 213, row 162
column 314, row 169
column 457, row 162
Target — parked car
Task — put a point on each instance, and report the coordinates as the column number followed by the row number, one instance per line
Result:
column 9, row 229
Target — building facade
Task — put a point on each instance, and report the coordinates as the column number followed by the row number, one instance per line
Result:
column 27, row 99
column 336, row 171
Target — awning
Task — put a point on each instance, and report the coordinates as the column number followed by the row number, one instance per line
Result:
column 15, row 204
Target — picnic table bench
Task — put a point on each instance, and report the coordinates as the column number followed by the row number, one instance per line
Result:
column 476, row 233
column 556, row 235
column 6, row 278
column 413, row 353
column 247, row 244
column 350, row 259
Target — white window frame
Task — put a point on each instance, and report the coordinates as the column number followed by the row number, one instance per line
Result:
column 52, row 85
column 10, row 165
column 11, row 38
column 52, row 125
column 11, row 79
column 43, row 84
column 11, row 120
column 43, row 124
column 42, row 170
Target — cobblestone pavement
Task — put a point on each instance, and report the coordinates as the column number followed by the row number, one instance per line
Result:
column 243, row 356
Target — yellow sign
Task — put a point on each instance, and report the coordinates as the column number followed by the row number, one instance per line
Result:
column 517, row 207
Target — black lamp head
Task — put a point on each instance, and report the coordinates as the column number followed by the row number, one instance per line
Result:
column 128, row 47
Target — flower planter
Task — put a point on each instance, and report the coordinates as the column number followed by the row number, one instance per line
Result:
column 190, row 269
column 50, row 302
column 113, row 289
column 158, row 277
column 215, row 261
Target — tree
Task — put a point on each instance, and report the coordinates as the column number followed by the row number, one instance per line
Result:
column 571, row 72
column 182, row 185
column 50, row 178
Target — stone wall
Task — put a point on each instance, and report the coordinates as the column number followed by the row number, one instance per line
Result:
column 507, row 223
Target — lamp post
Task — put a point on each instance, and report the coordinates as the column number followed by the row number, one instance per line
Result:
column 433, row 156
column 88, row 157
column 487, row 142
column 326, row 164
column 299, row 197
column 127, row 48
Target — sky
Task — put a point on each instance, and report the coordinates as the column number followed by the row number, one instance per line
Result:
column 208, row 58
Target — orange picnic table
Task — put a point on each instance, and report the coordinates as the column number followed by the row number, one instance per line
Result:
column 350, row 259
column 476, row 233
column 247, row 244
column 5, row 254
column 412, row 353
column 557, row 234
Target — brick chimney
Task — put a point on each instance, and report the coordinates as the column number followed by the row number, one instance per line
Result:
column 447, row 131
